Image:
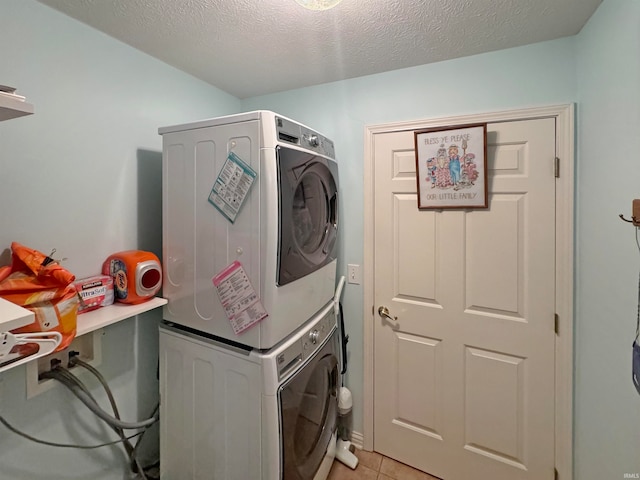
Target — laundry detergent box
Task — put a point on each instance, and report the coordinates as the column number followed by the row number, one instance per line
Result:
column 95, row 292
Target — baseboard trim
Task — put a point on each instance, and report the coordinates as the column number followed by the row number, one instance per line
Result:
column 357, row 440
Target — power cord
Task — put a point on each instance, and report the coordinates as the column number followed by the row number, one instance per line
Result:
column 61, row 445
column 75, row 385
column 132, row 452
column 80, row 393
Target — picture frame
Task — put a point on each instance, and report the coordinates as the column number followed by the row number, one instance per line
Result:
column 451, row 167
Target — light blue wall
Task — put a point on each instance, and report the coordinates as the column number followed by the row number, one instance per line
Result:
column 535, row 75
column 607, row 407
column 599, row 70
column 83, row 176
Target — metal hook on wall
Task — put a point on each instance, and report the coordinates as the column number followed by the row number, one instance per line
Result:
column 635, row 218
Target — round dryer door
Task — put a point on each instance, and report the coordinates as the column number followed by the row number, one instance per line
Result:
column 308, row 213
column 308, row 414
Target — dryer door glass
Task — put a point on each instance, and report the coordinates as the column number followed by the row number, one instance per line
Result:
column 308, row 409
column 308, row 213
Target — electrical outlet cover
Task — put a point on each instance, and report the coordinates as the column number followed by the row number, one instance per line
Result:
column 89, row 348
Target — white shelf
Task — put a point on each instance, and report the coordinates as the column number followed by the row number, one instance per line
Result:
column 12, row 108
column 13, row 316
column 90, row 321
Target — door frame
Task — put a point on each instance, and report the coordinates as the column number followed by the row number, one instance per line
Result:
column 565, row 144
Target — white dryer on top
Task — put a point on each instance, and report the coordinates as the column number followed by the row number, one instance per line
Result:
column 284, row 234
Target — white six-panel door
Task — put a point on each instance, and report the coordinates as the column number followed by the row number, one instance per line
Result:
column 464, row 378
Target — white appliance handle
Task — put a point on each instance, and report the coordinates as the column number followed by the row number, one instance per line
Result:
column 338, row 294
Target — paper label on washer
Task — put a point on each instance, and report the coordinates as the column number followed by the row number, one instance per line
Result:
column 239, row 300
column 232, row 186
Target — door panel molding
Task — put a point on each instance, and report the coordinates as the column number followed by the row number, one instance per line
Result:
column 565, row 135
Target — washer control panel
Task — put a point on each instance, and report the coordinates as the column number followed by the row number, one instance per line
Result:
column 296, row 134
column 309, row 340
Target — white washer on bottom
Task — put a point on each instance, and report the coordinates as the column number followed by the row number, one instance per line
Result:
column 228, row 413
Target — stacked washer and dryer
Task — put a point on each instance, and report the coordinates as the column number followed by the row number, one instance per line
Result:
column 259, row 192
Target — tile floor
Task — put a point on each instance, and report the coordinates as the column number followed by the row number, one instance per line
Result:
column 373, row 466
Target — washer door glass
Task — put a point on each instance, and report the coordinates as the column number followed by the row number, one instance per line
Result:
column 308, row 213
column 309, row 409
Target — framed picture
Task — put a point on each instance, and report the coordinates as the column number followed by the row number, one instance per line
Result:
column 451, row 167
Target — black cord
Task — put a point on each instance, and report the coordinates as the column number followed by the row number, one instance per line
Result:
column 344, row 341
column 638, row 314
column 135, row 450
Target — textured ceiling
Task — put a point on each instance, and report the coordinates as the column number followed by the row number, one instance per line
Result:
column 255, row 47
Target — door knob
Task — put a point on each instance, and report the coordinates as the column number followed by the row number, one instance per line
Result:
column 384, row 313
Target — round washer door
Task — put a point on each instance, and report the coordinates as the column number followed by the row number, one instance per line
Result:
column 308, row 414
column 308, row 213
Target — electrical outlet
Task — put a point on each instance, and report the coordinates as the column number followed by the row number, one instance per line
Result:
column 89, row 348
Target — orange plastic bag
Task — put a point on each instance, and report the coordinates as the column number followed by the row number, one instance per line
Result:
column 38, row 283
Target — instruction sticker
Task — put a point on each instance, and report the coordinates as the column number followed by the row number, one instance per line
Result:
column 232, row 186
column 239, row 300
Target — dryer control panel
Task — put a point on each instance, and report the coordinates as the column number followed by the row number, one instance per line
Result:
column 306, row 344
column 295, row 134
